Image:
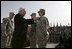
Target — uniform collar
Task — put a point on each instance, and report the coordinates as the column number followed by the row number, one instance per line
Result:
column 42, row 16
column 10, row 19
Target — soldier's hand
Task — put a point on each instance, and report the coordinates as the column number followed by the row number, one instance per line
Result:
column 35, row 18
column 4, row 35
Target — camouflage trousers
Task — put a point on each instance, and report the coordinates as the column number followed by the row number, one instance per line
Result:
column 42, row 42
column 5, row 41
column 32, row 42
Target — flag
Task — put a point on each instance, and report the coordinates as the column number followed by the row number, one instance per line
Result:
column 57, row 28
column 49, row 30
column 54, row 27
column 60, row 27
column 68, row 24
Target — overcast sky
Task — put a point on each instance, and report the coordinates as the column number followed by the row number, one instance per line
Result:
column 56, row 11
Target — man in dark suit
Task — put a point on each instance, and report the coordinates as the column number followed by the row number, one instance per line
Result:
column 20, row 30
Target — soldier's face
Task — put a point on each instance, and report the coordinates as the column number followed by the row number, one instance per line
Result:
column 34, row 16
column 40, row 14
column 11, row 16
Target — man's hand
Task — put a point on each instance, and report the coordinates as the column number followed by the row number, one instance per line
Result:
column 36, row 18
column 29, row 27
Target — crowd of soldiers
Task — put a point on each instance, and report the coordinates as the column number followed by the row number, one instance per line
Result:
column 63, row 37
column 53, row 36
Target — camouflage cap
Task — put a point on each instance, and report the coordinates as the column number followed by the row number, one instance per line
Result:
column 33, row 14
column 41, row 10
column 12, row 13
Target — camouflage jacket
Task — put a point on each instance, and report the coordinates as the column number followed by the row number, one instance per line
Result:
column 42, row 26
column 33, row 30
column 7, row 26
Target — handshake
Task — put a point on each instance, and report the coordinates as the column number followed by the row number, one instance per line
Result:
column 35, row 18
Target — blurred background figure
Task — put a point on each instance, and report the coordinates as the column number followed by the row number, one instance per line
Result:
column 7, row 29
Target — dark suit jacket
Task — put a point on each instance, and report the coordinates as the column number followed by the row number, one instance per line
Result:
column 20, row 31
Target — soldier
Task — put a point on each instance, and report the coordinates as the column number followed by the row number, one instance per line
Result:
column 41, row 29
column 52, row 35
column 7, row 30
column 32, row 33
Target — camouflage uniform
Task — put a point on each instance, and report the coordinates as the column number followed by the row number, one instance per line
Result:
column 32, row 34
column 52, row 36
column 41, row 30
column 3, row 38
column 7, row 28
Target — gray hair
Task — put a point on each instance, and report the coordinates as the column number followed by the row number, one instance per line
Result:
column 21, row 9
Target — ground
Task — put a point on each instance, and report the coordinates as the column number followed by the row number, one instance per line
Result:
column 49, row 45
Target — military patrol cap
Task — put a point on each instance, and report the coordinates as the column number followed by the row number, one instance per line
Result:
column 33, row 14
column 41, row 10
column 12, row 13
